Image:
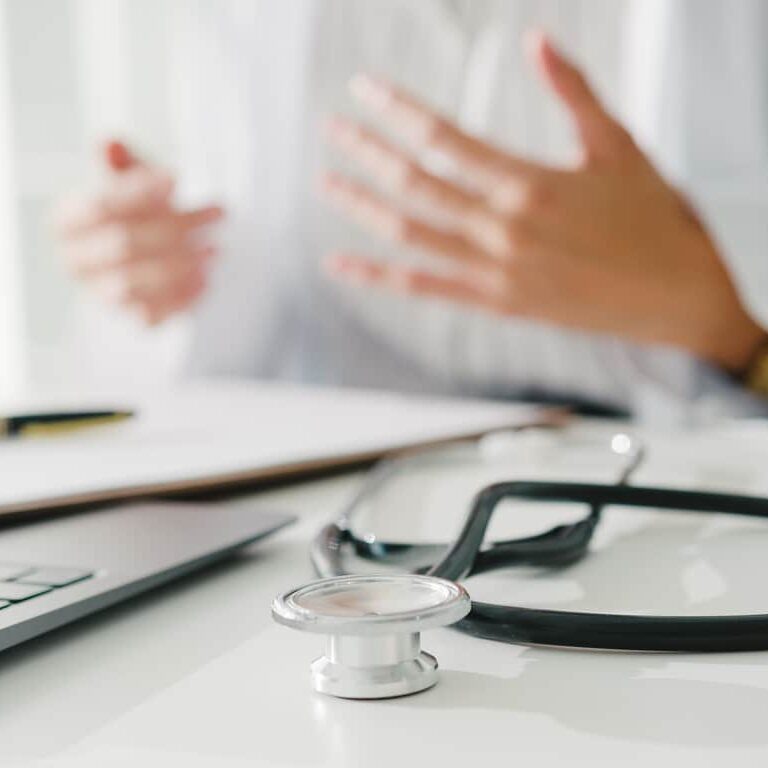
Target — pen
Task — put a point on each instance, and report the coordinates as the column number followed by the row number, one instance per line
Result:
column 34, row 424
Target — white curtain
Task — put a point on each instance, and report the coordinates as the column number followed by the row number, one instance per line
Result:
column 73, row 72
column 124, row 53
column 12, row 336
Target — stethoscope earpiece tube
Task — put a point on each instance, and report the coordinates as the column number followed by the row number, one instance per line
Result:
column 563, row 545
column 603, row 631
column 326, row 551
column 692, row 634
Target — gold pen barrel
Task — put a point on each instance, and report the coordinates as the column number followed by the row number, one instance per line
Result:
column 46, row 429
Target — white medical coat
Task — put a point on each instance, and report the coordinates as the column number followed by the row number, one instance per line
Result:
column 259, row 77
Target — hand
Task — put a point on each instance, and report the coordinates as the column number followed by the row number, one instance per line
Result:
column 131, row 244
column 605, row 246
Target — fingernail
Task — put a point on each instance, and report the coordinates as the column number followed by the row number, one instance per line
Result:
column 341, row 131
column 333, row 263
column 333, row 125
column 400, row 280
column 372, row 91
column 342, row 266
column 535, row 41
column 205, row 253
column 330, row 191
column 331, row 183
column 325, row 183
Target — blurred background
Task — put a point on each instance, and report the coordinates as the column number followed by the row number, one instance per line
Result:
column 73, row 72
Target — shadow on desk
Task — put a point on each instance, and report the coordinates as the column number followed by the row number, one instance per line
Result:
column 85, row 674
column 703, row 700
column 640, row 699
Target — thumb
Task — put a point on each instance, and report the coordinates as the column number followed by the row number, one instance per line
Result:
column 601, row 136
column 135, row 179
column 118, row 157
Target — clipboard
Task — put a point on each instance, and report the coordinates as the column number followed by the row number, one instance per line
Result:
column 227, row 435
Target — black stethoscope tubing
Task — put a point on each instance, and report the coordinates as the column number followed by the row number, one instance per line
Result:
column 562, row 545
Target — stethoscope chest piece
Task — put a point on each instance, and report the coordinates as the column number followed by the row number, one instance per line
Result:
column 372, row 626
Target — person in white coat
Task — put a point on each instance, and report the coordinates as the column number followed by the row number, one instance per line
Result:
column 631, row 278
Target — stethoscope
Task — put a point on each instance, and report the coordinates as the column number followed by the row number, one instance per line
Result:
column 373, row 622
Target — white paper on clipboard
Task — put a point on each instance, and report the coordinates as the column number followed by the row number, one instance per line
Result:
column 208, row 434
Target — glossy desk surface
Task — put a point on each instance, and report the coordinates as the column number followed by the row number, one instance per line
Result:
column 197, row 674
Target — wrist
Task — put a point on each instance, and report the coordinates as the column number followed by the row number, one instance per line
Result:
column 734, row 344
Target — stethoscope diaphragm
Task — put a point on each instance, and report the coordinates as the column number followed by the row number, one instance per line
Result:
column 373, row 625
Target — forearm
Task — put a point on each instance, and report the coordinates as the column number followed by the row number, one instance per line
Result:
column 736, row 220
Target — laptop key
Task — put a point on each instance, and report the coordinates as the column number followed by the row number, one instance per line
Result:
column 4, row 604
column 15, row 592
column 54, row 577
column 13, row 570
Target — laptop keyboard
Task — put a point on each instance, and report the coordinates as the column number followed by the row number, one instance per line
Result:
column 23, row 582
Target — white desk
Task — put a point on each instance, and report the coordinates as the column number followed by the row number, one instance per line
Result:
column 197, row 674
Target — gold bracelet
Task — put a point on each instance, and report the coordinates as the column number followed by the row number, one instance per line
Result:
column 756, row 375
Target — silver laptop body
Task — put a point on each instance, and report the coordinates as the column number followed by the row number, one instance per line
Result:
column 54, row 571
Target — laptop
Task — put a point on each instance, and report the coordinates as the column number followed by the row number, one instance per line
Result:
column 199, row 437
column 54, row 571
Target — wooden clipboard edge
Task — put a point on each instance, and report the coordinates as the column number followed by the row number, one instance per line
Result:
column 29, row 510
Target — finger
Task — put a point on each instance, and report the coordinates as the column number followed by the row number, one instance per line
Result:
column 200, row 217
column 136, row 192
column 482, row 220
column 184, row 294
column 428, row 130
column 388, row 221
column 118, row 157
column 107, row 247
column 393, row 167
column 132, row 179
column 150, row 281
column 114, row 246
column 463, row 289
column 601, row 136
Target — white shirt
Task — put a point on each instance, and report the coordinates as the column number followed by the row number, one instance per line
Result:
column 262, row 75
